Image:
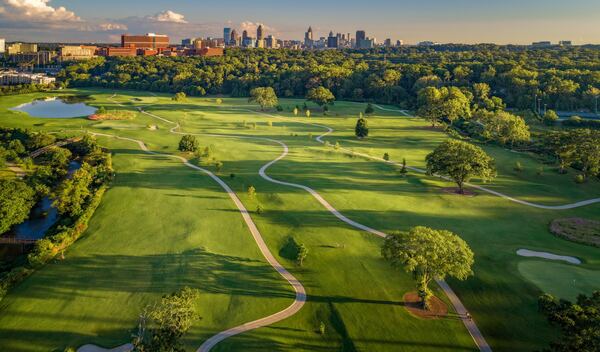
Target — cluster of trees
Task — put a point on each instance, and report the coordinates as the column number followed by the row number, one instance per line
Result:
column 578, row 322
column 579, row 148
column 566, row 78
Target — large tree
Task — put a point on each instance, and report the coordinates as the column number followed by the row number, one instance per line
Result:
column 579, row 322
column 188, row 143
column 171, row 319
column 460, row 161
column 450, row 103
column 263, row 96
column 429, row 255
column 321, row 96
column 72, row 194
column 505, row 128
column 16, row 201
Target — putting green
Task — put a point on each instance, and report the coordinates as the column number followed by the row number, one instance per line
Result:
column 560, row 280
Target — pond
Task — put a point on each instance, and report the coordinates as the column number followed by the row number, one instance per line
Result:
column 43, row 216
column 56, row 108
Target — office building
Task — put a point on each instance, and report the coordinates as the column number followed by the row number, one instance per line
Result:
column 387, row 43
column 21, row 48
column 360, row 36
column 76, row 52
column 399, row 43
column 40, row 58
column 308, row 38
column 118, row 51
column 271, row 42
column 542, row 44
column 12, row 77
column 248, row 42
column 259, row 33
column 188, row 42
column 332, row 41
column 234, row 38
column 226, row 35
column 148, row 41
column 2, row 45
column 565, row 43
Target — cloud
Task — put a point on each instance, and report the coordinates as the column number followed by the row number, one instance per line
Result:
column 36, row 11
column 112, row 27
column 251, row 27
column 168, row 16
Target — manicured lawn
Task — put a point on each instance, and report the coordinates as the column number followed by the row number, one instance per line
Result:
column 162, row 226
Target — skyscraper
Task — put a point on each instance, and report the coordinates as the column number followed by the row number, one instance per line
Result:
column 234, row 39
column 226, row 35
column 308, row 38
column 259, row 32
column 360, row 38
column 244, row 35
column 332, row 41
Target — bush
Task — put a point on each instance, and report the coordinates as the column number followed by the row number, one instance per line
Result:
column 550, row 117
column 579, row 179
column 581, row 123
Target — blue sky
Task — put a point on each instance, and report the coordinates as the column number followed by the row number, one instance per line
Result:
column 467, row 21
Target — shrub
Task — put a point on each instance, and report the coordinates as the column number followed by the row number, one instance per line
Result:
column 386, row 157
column 550, row 117
column 579, row 179
column 540, row 171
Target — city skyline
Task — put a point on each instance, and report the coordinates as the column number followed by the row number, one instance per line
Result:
column 464, row 21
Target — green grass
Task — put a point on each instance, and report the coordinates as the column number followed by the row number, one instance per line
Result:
column 561, row 280
column 160, row 228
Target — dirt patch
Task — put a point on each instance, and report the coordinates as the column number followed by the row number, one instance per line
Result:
column 437, row 308
column 456, row 191
column 578, row 230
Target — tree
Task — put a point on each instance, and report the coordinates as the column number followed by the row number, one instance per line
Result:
column 578, row 322
column 295, row 111
column 264, row 96
column 16, row 201
column 429, row 255
column 251, row 192
column 369, row 109
column 550, row 117
column 307, row 113
column 505, row 128
column 301, row 254
column 403, row 170
column 180, row 96
column 460, row 161
column 188, row 143
column 171, row 318
column 320, row 95
column 429, row 102
column 386, row 156
column 362, row 128
column 72, row 194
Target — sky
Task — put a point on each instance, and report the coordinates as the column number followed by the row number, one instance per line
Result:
column 445, row 21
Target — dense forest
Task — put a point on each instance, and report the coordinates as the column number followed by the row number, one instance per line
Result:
column 561, row 78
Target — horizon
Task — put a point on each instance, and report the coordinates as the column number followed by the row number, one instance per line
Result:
column 464, row 22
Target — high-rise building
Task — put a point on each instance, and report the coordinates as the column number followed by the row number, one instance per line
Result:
column 308, row 38
column 399, row 43
column 387, row 43
column 148, row 41
column 226, row 35
column 332, row 41
column 244, row 35
column 188, row 42
column 234, row 39
column 259, row 33
column 2, row 45
column 271, row 42
column 360, row 36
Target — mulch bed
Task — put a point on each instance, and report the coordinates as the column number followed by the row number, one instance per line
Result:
column 437, row 308
column 578, row 230
column 454, row 190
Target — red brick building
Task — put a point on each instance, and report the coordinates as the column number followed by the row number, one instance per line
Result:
column 148, row 41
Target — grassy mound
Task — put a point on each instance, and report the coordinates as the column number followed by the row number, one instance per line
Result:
column 577, row 230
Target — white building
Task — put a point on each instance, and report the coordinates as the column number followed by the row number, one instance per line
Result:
column 2, row 45
column 8, row 78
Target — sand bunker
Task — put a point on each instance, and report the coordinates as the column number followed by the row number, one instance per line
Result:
column 546, row 255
